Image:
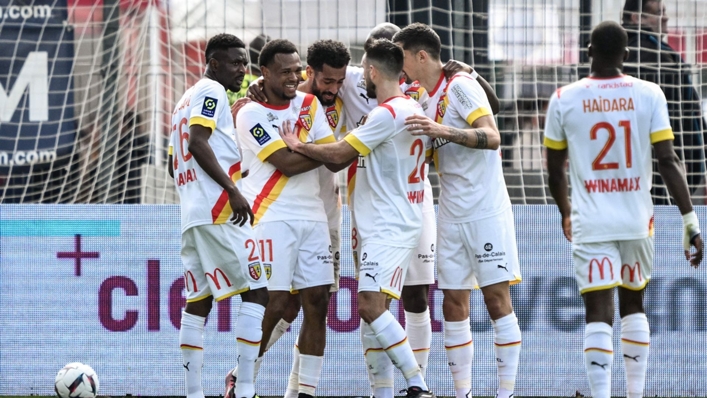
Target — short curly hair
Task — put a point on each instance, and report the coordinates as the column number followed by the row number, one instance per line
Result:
column 418, row 37
column 272, row 48
column 330, row 52
column 221, row 42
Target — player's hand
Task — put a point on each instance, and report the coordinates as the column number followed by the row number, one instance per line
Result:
column 692, row 237
column 241, row 208
column 452, row 67
column 240, row 103
column 422, row 125
column 695, row 258
column 567, row 227
column 255, row 91
column 289, row 136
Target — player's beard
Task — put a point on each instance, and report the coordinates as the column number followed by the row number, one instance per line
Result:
column 370, row 89
column 320, row 95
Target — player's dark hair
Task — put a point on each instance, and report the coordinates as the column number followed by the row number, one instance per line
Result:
column 221, row 42
column 632, row 7
column 385, row 30
column 417, row 37
column 255, row 46
column 330, row 52
column 609, row 41
column 385, row 55
column 272, row 48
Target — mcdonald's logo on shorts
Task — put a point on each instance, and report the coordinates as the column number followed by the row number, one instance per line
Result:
column 188, row 276
column 600, row 265
column 634, row 272
column 215, row 278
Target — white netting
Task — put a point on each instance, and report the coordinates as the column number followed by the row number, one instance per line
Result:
column 115, row 69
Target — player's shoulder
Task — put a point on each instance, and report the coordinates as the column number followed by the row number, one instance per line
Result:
column 644, row 86
column 567, row 91
column 210, row 87
column 252, row 111
column 354, row 72
column 462, row 79
column 396, row 106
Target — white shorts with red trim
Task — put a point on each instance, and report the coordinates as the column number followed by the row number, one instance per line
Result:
column 298, row 254
column 383, row 268
column 220, row 260
column 604, row 265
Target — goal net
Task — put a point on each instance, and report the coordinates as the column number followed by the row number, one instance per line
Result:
column 87, row 88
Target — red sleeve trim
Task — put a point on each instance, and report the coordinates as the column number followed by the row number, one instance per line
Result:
column 390, row 108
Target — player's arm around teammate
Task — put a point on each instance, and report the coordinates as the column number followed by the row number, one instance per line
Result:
column 382, row 140
column 283, row 188
column 476, row 240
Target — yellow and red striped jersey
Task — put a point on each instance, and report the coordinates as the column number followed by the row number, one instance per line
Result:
column 328, row 191
column 203, row 201
column 272, row 195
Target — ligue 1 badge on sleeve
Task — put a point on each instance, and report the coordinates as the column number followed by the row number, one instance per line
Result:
column 209, row 107
column 260, row 135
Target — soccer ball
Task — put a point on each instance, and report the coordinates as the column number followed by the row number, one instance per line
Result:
column 76, row 380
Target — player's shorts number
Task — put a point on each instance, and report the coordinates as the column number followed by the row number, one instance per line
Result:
column 354, row 239
column 418, row 173
column 597, row 163
column 253, row 256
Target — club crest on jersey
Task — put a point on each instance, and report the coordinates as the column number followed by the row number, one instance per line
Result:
column 209, row 107
column 260, row 135
column 332, row 117
column 441, row 107
column 414, row 94
column 268, row 270
column 305, row 121
column 255, row 271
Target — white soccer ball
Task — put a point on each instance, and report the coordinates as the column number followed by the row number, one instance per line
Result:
column 76, row 380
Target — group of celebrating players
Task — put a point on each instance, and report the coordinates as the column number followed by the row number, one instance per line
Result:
column 261, row 210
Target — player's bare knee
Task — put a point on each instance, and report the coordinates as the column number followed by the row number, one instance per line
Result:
column 276, row 304
column 599, row 306
column 293, row 306
column 257, row 296
column 371, row 305
column 200, row 308
column 415, row 298
column 497, row 307
column 630, row 302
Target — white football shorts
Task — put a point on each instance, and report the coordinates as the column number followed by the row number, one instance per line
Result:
column 220, row 261
column 477, row 253
column 383, row 268
column 604, row 265
column 296, row 253
column 422, row 266
column 421, row 270
column 335, row 237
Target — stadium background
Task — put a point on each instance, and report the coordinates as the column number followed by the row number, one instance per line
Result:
column 75, row 73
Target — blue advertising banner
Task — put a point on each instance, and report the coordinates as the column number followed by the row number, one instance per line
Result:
column 103, row 285
column 36, row 99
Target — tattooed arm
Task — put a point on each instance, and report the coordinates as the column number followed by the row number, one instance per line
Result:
column 483, row 133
